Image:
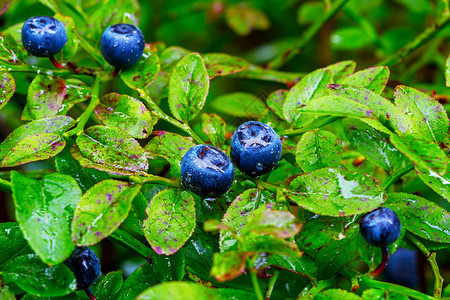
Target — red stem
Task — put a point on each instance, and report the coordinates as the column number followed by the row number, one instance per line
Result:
column 89, row 294
column 384, row 260
column 115, row 72
column 56, row 64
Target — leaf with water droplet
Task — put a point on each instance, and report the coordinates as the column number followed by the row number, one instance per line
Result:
column 221, row 64
column 143, row 73
column 171, row 56
column 101, row 210
column 214, row 126
column 275, row 101
column 76, row 91
column 374, row 79
column 10, row 49
column 12, row 241
column 447, row 71
column 142, row 278
column 7, row 88
column 341, row 70
column 439, row 184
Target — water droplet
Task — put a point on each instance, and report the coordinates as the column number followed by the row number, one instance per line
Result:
column 259, row 166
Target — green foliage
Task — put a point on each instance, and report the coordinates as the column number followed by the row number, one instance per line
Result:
column 91, row 156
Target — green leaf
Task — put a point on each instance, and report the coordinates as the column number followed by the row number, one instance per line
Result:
column 76, row 91
column 70, row 48
column 12, row 241
column 50, row 4
column 309, row 87
column 35, row 277
column 424, row 153
column 215, row 128
column 259, row 243
column 45, row 97
column 221, row 64
column 171, row 56
column 170, row 268
column 447, row 71
column 188, row 87
column 426, row 113
column 341, row 70
column 337, row 294
column 170, row 222
column 373, row 79
column 111, row 150
column 318, row 232
column 4, row 7
column 142, row 278
column 304, row 265
column 47, row 125
column 318, row 149
column 126, row 113
column 180, row 291
column 439, row 184
column 239, row 105
column 108, row 286
column 349, row 38
column 33, row 148
column 8, row 87
column 237, row 214
column 171, row 147
column 10, row 50
column 373, row 144
column 275, row 101
column 101, row 210
column 242, row 19
column 422, row 217
column 44, row 209
column 143, row 73
column 5, row 291
column 337, row 106
column 336, row 192
column 228, row 265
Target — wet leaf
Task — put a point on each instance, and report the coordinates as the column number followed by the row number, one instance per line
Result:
column 126, row 113
column 44, row 209
column 76, row 91
column 447, row 71
column 109, row 285
column 170, row 268
column 160, row 87
column 179, row 291
column 170, row 221
column 318, row 149
column 422, row 217
column 275, row 101
column 188, row 87
column 336, row 192
column 318, row 232
column 221, row 64
column 373, row 79
column 45, row 97
column 35, row 277
column 143, row 73
column 336, row 106
column 304, row 265
column 142, row 278
column 337, row 294
column 7, row 88
column 426, row 113
column 171, row 56
column 260, row 243
column 12, row 241
column 228, row 265
column 101, row 210
column 111, row 150
column 239, row 105
column 10, row 49
column 70, row 48
column 341, row 70
column 439, row 184
column 309, row 87
column 425, row 154
column 47, row 125
column 33, row 148
column 242, row 19
column 214, row 127
column 373, row 144
column 171, row 147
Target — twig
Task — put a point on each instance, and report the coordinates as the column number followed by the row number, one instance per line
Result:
column 271, row 284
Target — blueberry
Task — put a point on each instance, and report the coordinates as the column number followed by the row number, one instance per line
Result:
column 43, row 36
column 85, row 265
column 206, row 171
column 402, row 268
column 255, row 148
column 122, row 45
column 380, row 227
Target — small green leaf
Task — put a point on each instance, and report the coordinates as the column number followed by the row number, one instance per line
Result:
column 7, row 88
column 337, row 294
column 143, row 73
column 47, row 125
column 318, row 232
column 45, row 97
column 101, row 210
column 110, row 149
column 76, row 91
column 439, row 184
column 349, row 38
column 126, row 113
column 10, row 49
column 447, row 71
column 228, row 265
column 171, row 147
column 242, row 19
column 304, row 265
column 318, row 149
column 180, row 291
column 171, row 56
column 221, row 64
column 188, row 87
column 33, row 148
column 373, row 79
column 275, row 101
column 35, row 277
column 109, row 285
column 170, row 268
column 239, row 105
column 336, row 192
column 50, row 4
column 424, row 153
column 341, row 70
column 142, row 278
column 44, row 209
column 423, row 217
column 337, row 106
column 170, row 222
column 12, row 241
column 260, row 243
column 5, row 291
column 214, row 127
column 309, row 87
column 3, row 8
column 426, row 113
column 70, row 48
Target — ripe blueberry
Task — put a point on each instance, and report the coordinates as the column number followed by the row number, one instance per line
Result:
column 255, row 148
column 402, row 268
column 122, row 45
column 206, row 171
column 380, row 227
column 43, row 36
column 85, row 265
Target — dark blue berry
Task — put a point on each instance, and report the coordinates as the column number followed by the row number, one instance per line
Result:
column 43, row 36
column 380, row 227
column 255, row 148
column 122, row 45
column 402, row 268
column 85, row 265
column 207, row 171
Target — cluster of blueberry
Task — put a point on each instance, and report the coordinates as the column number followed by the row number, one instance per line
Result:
column 122, row 45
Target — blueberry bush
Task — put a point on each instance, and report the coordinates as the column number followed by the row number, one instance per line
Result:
column 224, row 149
